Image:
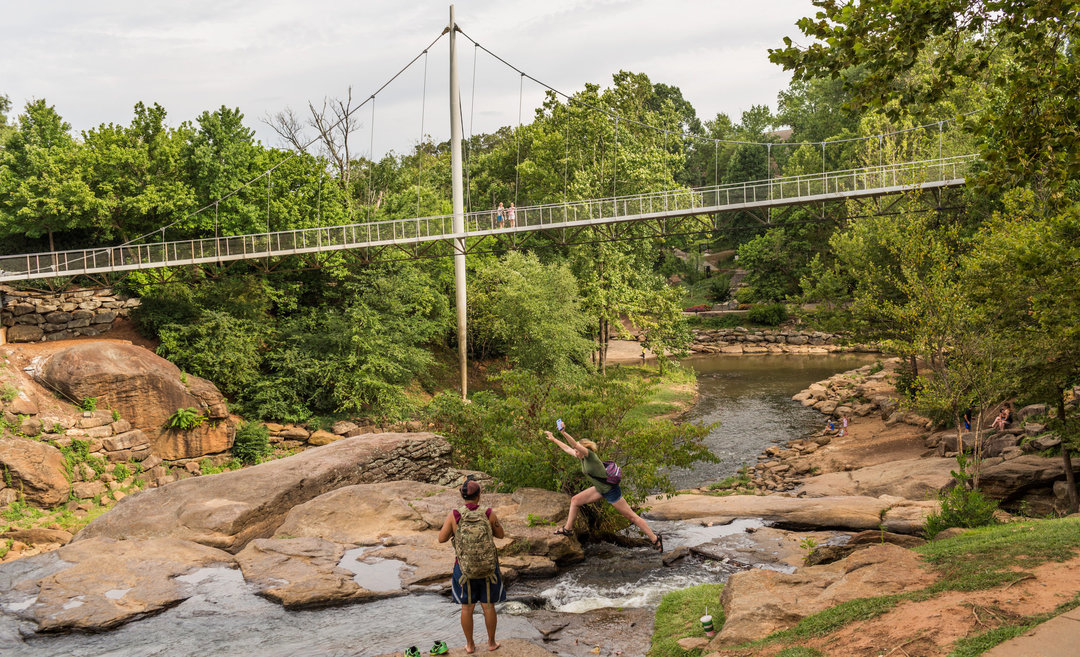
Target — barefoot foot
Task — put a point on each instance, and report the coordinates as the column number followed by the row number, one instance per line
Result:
column 470, row 648
column 492, row 647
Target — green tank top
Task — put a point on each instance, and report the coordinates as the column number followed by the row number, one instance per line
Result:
column 594, row 469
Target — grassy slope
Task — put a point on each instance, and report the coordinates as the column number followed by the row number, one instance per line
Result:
column 978, row 560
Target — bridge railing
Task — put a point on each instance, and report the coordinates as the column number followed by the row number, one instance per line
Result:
column 777, row 191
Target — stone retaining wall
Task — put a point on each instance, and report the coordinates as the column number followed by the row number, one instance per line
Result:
column 34, row 316
column 741, row 340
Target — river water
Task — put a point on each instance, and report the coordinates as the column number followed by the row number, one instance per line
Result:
column 749, row 396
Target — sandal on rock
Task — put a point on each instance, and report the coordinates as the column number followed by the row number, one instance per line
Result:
column 440, row 648
column 413, row 651
column 563, row 531
column 658, row 544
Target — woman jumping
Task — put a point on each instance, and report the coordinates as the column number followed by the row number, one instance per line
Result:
column 593, row 468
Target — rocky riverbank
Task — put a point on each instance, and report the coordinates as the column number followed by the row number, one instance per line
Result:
column 881, row 474
column 741, row 340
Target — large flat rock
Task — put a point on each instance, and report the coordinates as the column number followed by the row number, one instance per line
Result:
column 410, row 512
column 758, row 602
column 229, row 509
column 846, row 513
column 300, row 572
column 913, row 479
column 101, row 583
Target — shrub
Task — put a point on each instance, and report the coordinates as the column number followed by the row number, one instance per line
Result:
column 8, row 393
column 772, row 314
column 719, row 287
column 252, row 442
column 161, row 305
column 185, row 419
column 698, row 308
column 961, row 506
column 121, row 472
column 89, row 404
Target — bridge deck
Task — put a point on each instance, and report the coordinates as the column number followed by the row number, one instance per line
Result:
column 816, row 188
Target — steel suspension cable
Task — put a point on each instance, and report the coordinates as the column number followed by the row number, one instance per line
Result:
column 304, row 147
column 371, row 163
column 517, row 163
column 420, row 144
column 472, row 110
column 566, row 158
column 688, row 134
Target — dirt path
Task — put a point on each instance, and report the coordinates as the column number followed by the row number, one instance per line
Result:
column 930, row 628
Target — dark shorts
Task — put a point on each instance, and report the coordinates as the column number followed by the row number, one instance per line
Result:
column 477, row 590
column 613, row 495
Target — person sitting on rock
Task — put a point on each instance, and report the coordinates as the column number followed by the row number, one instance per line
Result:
column 476, row 577
column 595, row 470
column 1004, row 418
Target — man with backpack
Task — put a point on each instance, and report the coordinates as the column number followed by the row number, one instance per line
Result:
column 605, row 477
column 476, row 575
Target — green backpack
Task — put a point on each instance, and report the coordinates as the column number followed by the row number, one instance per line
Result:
column 475, row 547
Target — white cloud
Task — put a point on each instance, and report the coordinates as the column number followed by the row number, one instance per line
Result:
column 94, row 61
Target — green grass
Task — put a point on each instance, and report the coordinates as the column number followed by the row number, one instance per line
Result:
column 990, row 556
column 678, row 617
column 980, row 559
column 675, row 390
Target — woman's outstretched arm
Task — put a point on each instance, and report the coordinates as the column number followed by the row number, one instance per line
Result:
column 579, row 450
column 563, row 446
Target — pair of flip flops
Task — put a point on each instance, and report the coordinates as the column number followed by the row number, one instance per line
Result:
column 440, row 648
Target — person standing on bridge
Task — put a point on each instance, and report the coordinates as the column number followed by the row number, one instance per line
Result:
column 596, row 471
column 499, row 213
column 511, row 215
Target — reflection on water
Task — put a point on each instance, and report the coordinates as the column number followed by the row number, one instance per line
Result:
column 750, row 396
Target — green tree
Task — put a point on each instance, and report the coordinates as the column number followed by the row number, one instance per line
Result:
column 1025, row 53
column 501, row 432
column 136, row 173
column 221, row 158
column 42, row 186
column 530, row 310
column 1025, row 270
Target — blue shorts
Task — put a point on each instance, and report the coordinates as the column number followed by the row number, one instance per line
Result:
column 613, row 495
column 477, row 590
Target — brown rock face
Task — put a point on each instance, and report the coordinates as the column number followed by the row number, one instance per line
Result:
column 1009, row 479
column 758, row 602
column 300, row 572
column 229, row 509
column 145, row 388
column 36, row 469
column 913, row 479
column 852, row 513
column 107, row 583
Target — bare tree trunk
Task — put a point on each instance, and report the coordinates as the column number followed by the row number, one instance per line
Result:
column 914, row 367
column 978, row 443
column 603, row 346
column 1070, row 478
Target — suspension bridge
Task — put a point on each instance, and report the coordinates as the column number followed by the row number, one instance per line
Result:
column 460, row 233
column 415, row 237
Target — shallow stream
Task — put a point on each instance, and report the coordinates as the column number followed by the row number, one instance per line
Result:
column 750, row 397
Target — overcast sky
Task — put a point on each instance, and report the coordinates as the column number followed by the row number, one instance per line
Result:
column 94, row 60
